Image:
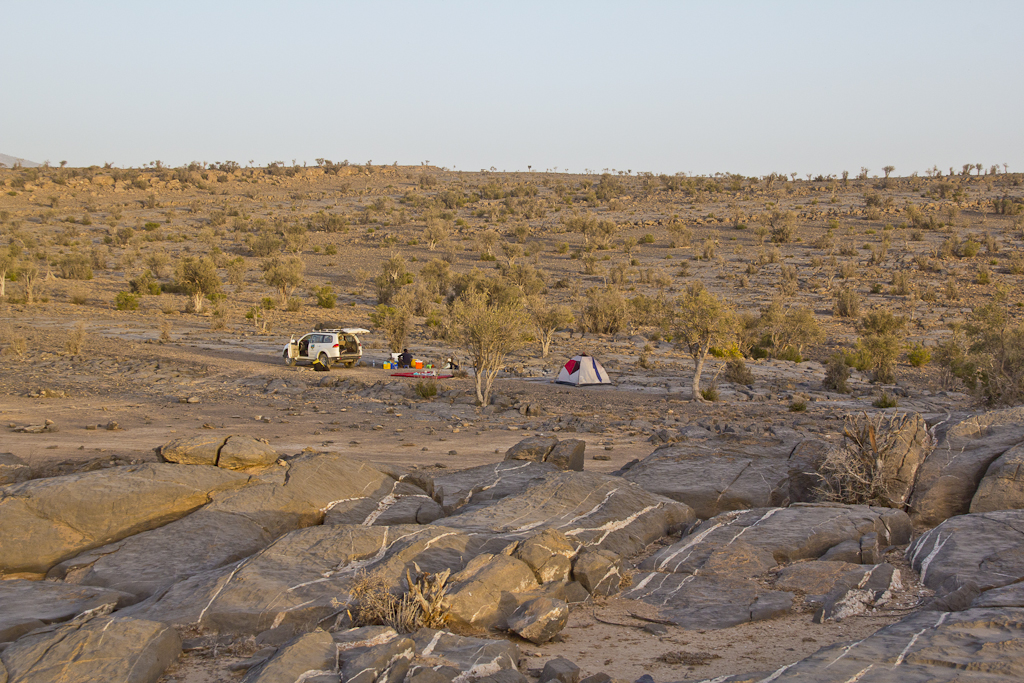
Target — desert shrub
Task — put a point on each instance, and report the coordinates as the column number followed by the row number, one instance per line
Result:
column 919, row 355
column 837, row 373
column 881, row 340
column 983, row 276
column 987, row 355
column 126, row 301
column 885, row 400
column 14, row 342
column 737, row 372
column 847, row 303
column 394, row 321
column 426, row 388
column 75, row 267
column 710, row 393
column 863, row 470
column 782, row 225
column 901, row 283
column 952, row 289
column 144, row 284
column 790, row 354
column 325, row 296
column 798, row 406
column 265, row 244
column 293, row 304
column 969, row 248
column 392, row 277
column 605, row 311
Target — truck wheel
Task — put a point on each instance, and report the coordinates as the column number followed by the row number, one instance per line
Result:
column 324, row 360
column 290, row 361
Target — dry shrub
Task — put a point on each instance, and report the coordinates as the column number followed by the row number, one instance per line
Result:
column 75, row 339
column 862, row 470
column 14, row 343
column 422, row 605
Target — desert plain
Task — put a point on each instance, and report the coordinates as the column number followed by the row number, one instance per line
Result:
column 148, row 306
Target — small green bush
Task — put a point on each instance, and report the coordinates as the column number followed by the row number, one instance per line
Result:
column 126, row 301
column 798, row 406
column 837, row 372
column 737, row 372
column 325, row 296
column 919, row 356
column 886, row 400
column 791, row 354
column 426, row 389
column 294, row 304
column 710, row 393
column 330, row 250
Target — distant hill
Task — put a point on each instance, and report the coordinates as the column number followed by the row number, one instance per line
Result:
column 9, row 161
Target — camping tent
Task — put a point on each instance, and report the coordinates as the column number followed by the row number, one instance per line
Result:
column 583, row 369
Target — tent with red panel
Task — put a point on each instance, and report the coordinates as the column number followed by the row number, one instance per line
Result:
column 582, row 370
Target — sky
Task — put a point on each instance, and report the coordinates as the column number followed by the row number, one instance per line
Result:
column 697, row 87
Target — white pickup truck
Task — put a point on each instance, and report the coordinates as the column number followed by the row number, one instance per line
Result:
column 330, row 347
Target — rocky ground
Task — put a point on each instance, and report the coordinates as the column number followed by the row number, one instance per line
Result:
column 180, row 504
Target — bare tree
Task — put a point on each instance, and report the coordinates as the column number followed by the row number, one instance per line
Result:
column 702, row 320
column 887, row 170
column 6, row 264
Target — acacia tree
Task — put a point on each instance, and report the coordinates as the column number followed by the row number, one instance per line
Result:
column 702, row 320
column 488, row 331
column 394, row 321
column 285, row 275
column 546, row 319
column 199, row 277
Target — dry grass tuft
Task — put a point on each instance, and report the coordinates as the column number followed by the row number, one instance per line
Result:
column 422, row 605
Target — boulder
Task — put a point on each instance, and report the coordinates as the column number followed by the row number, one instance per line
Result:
column 560, row 669
column 298, row 660
column 50, row 520
column 717, row 475
column 539, row 620
column 243, row 452
column 781, row 535
column 708, row 576
column 28, row 605
column 1002, row 487
column 858, row 591
column 235, row 525
column 949, row 477
column 403, row 504
column 534, row 448
column 13, row 469
column 367, row 666
column 708, row 601
column 193, row 450
column 482, row 595
column 486, row 484
column 976, row 645
column 814, row 577
column 549, row 554
column 600, row 572
column 568, row 454
column 591, row 509
column 307, row 576
column 986, row 548
column 472, row 656
column 93, row 650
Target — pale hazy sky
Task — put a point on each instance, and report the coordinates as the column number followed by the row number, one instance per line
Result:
column 700, row 87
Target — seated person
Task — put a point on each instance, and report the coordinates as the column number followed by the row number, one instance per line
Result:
column 451, row 363
column 405, row 360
